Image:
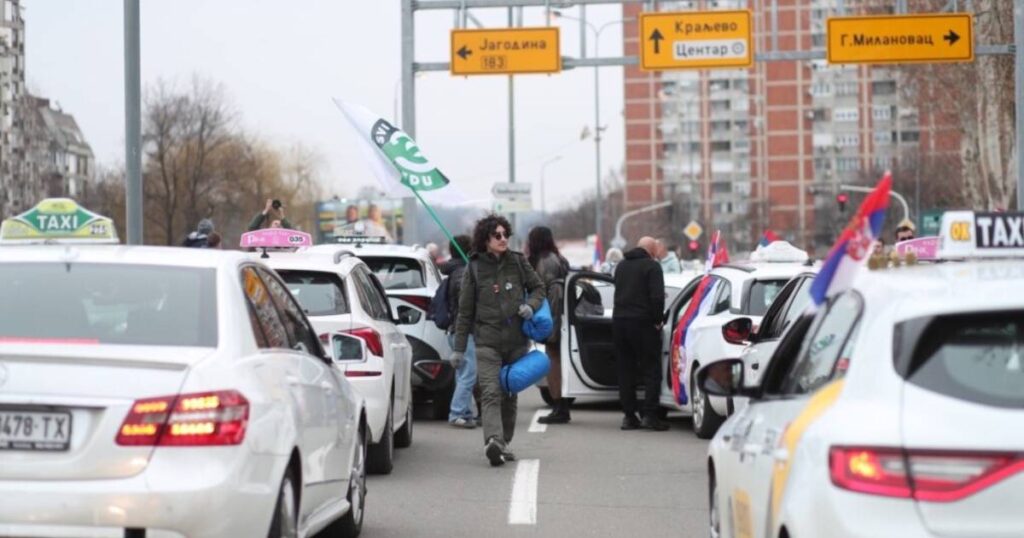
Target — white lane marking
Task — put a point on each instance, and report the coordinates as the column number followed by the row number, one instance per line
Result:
column 535, row 425
column 522, row 509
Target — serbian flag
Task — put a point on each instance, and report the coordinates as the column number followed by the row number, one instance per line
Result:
column 854, row 245
column 768, row 238
column 598, row 253
column 717, row 253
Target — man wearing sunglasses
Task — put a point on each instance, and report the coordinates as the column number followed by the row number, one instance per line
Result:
column 499, row 290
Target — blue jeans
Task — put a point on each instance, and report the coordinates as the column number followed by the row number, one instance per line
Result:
column 465, row 380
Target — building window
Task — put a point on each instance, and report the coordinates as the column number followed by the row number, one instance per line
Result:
column 742, row 144
column 741, row 188
column 846, row 88
column 882, row 138
column 883, row 87
column 881, row 112
column 848, row 164
column 847, row 140
column 719, row 126
column 721, row 187
column 817, row 40
column 821, row 89
column 910, row 136
column 845, row 114
column 669, row 147
column 721, row 145
column 882, row 163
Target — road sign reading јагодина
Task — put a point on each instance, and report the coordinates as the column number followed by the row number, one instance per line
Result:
column 505, row 51
column 696, row 40
column 897, row 39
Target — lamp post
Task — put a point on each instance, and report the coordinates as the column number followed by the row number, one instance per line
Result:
column 543, row 198
column 597, row 106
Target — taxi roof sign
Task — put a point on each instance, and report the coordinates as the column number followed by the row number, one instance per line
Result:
column 58, row 220
column 275, row 238
column 969, row 234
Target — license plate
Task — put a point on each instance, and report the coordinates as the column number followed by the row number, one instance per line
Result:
column 34, row 430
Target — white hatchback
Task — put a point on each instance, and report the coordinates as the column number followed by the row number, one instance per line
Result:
column 895, row 410
column 410, row 280
column 168, row 392
column 340, row 294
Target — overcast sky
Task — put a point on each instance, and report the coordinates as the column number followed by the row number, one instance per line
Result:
column 281, row 62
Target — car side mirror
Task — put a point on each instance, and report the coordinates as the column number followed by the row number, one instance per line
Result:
column 738, row 331
column 721, row 378
column 408, row 316
column 347, row 348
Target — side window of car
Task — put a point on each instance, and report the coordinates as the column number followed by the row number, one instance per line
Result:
column 300, row 335
column 367, row 294
column 266, row 323
column 828, row 342
column 771, row 324
column 380, row 297
column 797, row 303
column 723, row 297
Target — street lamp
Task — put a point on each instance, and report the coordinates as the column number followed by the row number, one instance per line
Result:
column 597, row 105
column 543, row 204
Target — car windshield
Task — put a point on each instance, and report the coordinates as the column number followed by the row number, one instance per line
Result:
column 108, row 304
column 762, row 293
column 319, row 293
column 396, row 273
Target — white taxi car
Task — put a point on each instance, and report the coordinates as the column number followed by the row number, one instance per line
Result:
column 894, row 410
column 410, row 280
column 340, row 294
column 168, row 392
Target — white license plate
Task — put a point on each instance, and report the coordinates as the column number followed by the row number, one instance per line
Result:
column 34, row 430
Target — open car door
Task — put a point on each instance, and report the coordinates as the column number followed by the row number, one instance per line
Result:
column 588, row 349
column 673, row 312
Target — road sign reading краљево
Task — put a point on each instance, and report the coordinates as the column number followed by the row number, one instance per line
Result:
column 901, row 39
column 505, row 51
column 696, row 40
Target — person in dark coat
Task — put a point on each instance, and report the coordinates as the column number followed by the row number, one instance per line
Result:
column 553, row 269
column 499, row 290
column 637, row 319
column 201, row 236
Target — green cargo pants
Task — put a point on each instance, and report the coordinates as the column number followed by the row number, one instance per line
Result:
column 497, row 408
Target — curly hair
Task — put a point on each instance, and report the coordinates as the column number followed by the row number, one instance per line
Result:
column 540, row 243
column 484, row 228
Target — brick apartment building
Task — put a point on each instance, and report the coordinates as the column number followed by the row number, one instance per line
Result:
column 746, row 150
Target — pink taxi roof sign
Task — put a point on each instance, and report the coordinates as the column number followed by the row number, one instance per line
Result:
column 925, row 248
column 276, row 238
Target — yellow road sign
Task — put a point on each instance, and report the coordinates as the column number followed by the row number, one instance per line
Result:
column 898, row 39
column 505, row 51
column 696, row 40
column 693, row 230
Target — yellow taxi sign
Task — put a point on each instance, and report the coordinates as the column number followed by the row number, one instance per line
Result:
column 696, row 40
column 58, row 220
column 976, row 234
column 897, row 39
column 505, row 51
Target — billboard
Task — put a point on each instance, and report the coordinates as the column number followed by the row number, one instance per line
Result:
column 347, row 217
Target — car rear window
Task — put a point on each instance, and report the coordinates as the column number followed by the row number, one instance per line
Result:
column 977, row 357
column 396, row 273
column 762, row 293
column 108, row 304
column 319, row 293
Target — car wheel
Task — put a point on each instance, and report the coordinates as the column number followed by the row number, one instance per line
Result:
column 715, row 512
column 285, row 522
column 351, row 524
column 381, row 456
column 705, row 420
column 545, row 395
column 403, row 437
column 441, row 405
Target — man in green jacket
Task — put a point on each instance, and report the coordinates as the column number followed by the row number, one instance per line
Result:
column 280, row 222
column 499, row 290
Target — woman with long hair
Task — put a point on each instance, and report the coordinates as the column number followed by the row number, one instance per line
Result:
column 553, row 269
column 499, row 290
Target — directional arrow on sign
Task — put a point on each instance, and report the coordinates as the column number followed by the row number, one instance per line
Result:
column 464, row 52
column 656, row 37
column 952, row 37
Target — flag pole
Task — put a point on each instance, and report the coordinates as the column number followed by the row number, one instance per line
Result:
column 448, row 234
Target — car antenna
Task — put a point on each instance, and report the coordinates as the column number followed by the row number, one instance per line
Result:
column 265, row 255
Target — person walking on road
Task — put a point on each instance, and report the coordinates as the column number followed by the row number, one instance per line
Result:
column 499, row 290
column 461, row 413
column 636, row 329
column 553, row 270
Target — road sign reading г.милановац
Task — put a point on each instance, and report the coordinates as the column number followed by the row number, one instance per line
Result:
column 505, row 51
column 696, row 40
column 897, row 39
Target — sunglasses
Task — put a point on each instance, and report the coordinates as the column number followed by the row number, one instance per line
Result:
column 501, row 235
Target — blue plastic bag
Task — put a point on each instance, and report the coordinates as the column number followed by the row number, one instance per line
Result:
column 525, row 372
column 539, row 327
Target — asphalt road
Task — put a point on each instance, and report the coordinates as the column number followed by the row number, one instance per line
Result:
column 592, row 480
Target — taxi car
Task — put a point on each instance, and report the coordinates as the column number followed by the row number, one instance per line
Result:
column 891, row 411
column 340, row 294
column 165, row 392
column 410, row 280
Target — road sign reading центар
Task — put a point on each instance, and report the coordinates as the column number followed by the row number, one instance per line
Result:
column 696, row 40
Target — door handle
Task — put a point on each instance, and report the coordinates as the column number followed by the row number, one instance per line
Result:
column 750, row 449
column 780, row 455
column 326, row 385
column 292, row 380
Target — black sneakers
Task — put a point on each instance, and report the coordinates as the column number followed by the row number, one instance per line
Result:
column 559, row 414
column 630, row 422
column 495, row 452
column 652, row 422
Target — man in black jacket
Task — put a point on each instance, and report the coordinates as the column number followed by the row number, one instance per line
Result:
column 636, row 326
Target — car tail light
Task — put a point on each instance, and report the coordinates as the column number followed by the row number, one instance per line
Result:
column 362, row 373
column 423, row 303
column 433, row 369
column 198, row 419
column 925, row 475
column 372, row 339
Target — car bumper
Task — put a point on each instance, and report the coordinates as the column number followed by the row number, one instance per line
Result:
column 376, row 392
column 839, row 513
column 183, row 492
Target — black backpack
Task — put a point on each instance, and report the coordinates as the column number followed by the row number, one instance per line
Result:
column 440, row 312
